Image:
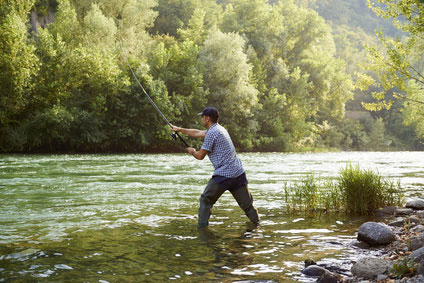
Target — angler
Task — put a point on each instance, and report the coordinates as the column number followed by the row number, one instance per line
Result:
column 229, row 173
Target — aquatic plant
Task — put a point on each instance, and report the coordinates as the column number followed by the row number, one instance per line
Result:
column 301, row 195
column 311, row 194
column 363, row 191
column 354, row 191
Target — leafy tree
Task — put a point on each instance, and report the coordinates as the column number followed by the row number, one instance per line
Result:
column 402, row 58
column 18, row 64
column 413, row 112
column 226, row 75
column 176, row 67
column 399, row 66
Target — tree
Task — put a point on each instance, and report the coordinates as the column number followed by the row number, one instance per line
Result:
column 399, row 66
column 226, row 75
column 18, row 63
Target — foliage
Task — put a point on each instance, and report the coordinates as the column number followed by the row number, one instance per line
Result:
column 226, row 75
column 312, row 195
column 399, row 65
column 280, row 75
column 354, row 191
column 18, row 65
column 363, row 191
column 403, row 268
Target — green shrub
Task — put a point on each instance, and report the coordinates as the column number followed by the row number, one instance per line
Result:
column 354, row 191
column 363, row 191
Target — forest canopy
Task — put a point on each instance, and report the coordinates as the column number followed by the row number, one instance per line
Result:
column 286, row 75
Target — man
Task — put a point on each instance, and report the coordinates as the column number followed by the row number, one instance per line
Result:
column 229, row 173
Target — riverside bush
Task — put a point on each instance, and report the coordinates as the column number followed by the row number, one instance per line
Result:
column 354, row 191
column 363, row 191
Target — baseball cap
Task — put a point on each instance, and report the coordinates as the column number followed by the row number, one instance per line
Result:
column 209, row 111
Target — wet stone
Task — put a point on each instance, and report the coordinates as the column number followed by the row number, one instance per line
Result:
column 417, row 204
column 404, row 211
column 375, row 234
column 416, row 243
column 400, row 222
column 370, row 268
column 417, row 255
column 314, row 270
column 418, row 229
column 388, row 210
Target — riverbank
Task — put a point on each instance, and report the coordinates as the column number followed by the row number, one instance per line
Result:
column 391, row 250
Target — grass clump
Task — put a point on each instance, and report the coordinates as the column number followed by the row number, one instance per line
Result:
column 354, row 191
column 312, row 194
column 364, row 191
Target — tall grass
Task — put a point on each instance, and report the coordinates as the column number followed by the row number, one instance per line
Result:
column 364, row 191
column 354, row 191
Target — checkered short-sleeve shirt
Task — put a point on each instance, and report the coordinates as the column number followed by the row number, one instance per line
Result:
column 221, row 152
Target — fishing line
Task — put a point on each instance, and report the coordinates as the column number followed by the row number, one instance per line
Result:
column 174, row 135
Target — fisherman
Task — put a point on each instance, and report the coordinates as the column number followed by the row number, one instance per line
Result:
column 229, row 173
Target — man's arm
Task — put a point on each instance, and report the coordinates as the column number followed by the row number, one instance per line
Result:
column 190, row 132
column 197, row 154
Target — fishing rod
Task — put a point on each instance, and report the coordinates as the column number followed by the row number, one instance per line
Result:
column 174, row 135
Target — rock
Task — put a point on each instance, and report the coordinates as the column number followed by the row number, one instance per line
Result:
column 404, row 211
column 329, row 277
column 375, row 234
column 361, row 245
column 314, row 270
column 418, row 229
column 381, row 277
column 370, row 268
column 416, row 242
column 397, row 223
column 400, row 222
column 414, row 219
column 417, row 204
column 388, row 209
column 417, row 255
column 420, row 269
column 385, row 211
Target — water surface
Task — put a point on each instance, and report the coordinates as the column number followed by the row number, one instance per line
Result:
column 132, row 218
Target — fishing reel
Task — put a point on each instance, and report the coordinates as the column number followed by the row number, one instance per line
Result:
column 174, row 136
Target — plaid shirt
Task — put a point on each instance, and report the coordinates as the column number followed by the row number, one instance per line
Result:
column 221, row 152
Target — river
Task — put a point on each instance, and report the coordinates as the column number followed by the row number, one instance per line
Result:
column 132, row 218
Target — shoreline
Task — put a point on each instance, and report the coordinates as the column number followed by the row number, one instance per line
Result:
column 401, row 260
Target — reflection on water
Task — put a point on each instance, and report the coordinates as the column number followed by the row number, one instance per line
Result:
column 112, row 218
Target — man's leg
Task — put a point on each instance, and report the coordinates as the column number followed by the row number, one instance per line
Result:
column 245, row 201
column 210, row 195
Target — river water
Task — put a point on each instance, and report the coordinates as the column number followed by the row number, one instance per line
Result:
column 132, row 218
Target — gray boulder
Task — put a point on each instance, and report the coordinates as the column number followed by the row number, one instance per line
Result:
column 314, row 270
column 417, row 204
column 417, row 255
column 375, row 234
column 370, row 268
column 404, row 211
column 409, row 222
column 416, row 242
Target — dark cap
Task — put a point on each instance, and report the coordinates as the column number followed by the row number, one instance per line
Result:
column 209, row 111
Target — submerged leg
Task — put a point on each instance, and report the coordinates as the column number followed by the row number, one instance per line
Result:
column 245, row 201
column 210, row 195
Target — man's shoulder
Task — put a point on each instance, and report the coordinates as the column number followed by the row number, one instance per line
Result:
column 215, row 129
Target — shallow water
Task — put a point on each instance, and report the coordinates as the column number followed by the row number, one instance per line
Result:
column 132, row 218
